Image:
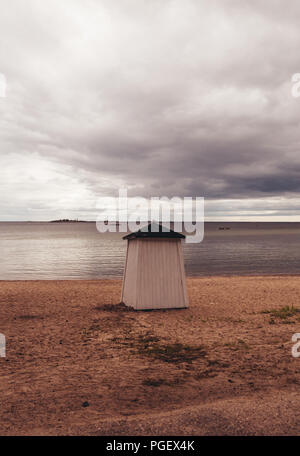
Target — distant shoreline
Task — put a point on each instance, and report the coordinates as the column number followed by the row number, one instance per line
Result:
column 68, row 221
column 258, row 275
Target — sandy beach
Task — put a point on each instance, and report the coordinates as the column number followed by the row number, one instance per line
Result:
column 78, row 363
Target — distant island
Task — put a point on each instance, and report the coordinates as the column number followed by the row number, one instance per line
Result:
column 67, row 221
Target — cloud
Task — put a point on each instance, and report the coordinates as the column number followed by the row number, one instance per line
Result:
column 164, row 97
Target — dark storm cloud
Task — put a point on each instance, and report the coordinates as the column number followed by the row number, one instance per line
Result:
column 163, row 97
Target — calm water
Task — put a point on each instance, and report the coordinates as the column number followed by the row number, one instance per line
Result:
column 78, row 251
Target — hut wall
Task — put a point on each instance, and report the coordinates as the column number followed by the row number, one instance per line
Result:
column 154, row 274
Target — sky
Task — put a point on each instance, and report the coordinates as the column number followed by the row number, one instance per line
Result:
column 162, row 97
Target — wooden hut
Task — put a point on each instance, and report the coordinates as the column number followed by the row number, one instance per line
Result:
column 154, row 276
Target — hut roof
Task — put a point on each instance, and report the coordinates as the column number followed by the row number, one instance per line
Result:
column 154, row 230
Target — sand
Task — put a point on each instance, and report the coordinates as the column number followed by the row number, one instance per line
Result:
column 79, row 364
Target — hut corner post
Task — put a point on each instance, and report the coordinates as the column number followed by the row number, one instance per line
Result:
column 124, row 275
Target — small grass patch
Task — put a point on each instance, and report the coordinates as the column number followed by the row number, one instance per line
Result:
column 147, row 339
column 232, row 320
column 283, row 313
column 237, row 345
column 151, row 346
column 31, row 317
column 172, row 353
column 207, row 373
column 156, row 382
column 217, row 363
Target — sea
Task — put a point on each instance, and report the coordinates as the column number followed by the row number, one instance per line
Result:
column 42, row 250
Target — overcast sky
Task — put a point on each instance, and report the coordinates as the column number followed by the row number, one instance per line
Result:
column 163, row 97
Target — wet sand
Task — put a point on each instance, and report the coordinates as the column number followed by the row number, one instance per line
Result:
column 80, row 364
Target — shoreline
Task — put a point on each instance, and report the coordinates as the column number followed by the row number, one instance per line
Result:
column 200, row 277
column 223, row 366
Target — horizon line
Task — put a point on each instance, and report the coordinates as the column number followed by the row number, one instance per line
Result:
column 171, row 221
